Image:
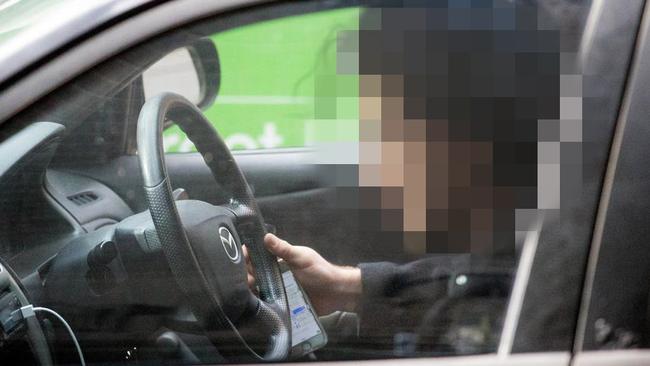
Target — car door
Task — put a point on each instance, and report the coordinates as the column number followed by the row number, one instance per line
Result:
column 440, row 185
column 613, row 327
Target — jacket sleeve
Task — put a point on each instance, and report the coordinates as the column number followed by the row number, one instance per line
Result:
column 423, row 302
column 396, row 297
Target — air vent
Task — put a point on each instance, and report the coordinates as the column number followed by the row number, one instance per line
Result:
column 83, row 198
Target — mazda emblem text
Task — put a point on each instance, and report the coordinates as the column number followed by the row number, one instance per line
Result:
column 229, row 245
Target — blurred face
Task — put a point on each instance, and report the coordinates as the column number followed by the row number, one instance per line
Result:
column 422, row 173
column 454, row 123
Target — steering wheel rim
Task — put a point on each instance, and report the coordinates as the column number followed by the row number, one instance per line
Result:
column 271, row 308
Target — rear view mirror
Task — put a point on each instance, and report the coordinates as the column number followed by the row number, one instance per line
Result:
column 192, row 71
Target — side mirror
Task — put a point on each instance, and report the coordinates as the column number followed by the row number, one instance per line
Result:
column 192, row 71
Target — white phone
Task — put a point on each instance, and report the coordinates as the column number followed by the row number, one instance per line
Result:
column 307, row 333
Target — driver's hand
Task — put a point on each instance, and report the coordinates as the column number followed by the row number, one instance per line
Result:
column 329, row 287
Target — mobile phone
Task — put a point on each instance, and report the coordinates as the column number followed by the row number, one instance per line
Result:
column 307, row 333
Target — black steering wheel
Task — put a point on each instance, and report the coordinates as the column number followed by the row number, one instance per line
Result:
column 202, row 242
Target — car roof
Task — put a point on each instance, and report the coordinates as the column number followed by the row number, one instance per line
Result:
column 32, row 30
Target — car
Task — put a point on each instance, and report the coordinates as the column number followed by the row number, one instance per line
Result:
column 480, row 164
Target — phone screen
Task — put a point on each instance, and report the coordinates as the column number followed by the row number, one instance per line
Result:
column 306, row 330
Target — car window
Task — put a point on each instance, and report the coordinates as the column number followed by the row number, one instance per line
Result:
column 456, row 150
column 442, row 137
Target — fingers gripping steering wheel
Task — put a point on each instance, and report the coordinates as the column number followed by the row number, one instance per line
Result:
column 202, row 242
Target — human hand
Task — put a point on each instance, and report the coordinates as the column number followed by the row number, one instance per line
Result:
column 329, row 287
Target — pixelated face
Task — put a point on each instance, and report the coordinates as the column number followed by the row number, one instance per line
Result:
column 465, row 120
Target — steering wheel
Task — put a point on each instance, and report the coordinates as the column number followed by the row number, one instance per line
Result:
column 202, row 242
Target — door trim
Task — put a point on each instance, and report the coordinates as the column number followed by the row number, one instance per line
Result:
column 634, row 357
column 610, row 172
column 522, row 359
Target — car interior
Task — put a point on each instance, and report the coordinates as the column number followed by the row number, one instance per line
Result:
column 94, row 206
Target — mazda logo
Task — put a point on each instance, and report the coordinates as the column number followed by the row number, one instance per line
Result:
column 229, row 245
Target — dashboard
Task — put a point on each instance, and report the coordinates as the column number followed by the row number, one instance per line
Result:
column 87, row 204
column 44, row 208
column 56, row 220
column 53, row 222
column 68, row 205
